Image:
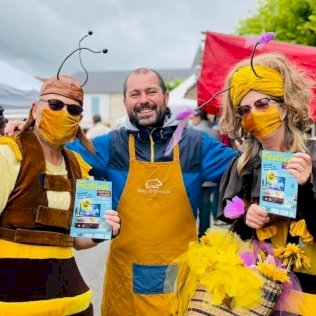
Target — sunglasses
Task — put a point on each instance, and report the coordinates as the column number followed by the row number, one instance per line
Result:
column 259, row 105
column 57, row 105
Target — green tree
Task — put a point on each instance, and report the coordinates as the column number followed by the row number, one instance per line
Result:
column 171, row 84
column 293, row 21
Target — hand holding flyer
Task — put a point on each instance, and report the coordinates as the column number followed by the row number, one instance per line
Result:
column 278, row 193
column 93, row 199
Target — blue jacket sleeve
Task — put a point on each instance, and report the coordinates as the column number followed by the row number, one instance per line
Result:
column 99, row 160
column 215, row 159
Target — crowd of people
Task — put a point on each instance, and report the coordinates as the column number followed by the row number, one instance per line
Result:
column 156, row 197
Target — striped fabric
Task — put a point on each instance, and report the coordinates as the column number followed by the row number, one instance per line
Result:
column 200, row 303
column 43, row 285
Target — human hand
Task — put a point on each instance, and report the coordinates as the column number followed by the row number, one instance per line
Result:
column 256, row 217
column 300, row 166
column 12, row 126
column 112, row 219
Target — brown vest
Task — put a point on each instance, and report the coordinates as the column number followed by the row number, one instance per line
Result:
column 27, row 218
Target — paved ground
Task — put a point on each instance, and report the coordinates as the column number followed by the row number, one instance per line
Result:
column 91, row 263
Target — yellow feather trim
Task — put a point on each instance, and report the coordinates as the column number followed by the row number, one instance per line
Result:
column 215, row 264
column 85, row 167
column 9, row 141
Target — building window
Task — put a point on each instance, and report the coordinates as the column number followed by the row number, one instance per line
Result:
column 95, row 101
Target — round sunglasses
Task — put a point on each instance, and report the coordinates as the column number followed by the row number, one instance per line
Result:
column 259, row 105
column 58, row 105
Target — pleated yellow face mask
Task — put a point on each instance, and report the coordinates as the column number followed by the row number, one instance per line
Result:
column 58, row 127
column 262, row 123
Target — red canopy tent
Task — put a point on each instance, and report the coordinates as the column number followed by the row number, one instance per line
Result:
column 223, row 51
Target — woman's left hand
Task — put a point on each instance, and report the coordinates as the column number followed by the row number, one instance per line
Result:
column 112, row 218
column 300, row 166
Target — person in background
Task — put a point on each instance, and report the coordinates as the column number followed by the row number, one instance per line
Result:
column 3, row 121
column 98, row 127
column 267, row 108
column 38, row 272
column 210, row 190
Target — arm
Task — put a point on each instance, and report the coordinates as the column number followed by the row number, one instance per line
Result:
column 216, row 159
column 99, row 160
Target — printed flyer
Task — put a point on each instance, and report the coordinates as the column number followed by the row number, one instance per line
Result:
column 278, row 194
column 93, row 199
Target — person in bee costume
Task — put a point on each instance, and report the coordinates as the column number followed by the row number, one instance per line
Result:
column 38, row 272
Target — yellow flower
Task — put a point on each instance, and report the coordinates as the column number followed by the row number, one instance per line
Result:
column 271, row 177
column 272, row 272
column 85, row 204
column 292, row 254
column 278, row 252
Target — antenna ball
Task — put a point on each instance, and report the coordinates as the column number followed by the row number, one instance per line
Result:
column 104, row 51
column 90, row 33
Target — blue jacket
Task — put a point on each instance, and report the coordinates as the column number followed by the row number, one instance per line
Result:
column 202, row 157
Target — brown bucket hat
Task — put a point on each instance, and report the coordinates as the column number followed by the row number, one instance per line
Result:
column 65, row 86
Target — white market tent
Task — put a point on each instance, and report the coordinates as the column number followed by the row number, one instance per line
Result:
column 177, row 100
column 17, row 91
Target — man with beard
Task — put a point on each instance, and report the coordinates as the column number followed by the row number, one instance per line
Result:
column 156, row 195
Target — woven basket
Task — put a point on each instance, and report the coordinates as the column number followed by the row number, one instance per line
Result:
column 200, row 303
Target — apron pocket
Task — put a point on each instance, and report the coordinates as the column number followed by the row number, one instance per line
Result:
column 153, row 279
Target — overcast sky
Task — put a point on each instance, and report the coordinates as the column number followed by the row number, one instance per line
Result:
column 36, row 35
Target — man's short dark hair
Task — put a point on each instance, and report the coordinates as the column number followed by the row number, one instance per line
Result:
column 201, row 114
column 96, row 118
column 144, row 71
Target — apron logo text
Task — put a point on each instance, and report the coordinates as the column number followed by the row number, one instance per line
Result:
column 152, row 186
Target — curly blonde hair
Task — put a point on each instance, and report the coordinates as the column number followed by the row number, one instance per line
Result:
column 297, row 96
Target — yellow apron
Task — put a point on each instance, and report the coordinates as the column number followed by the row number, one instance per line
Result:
column 157, row 224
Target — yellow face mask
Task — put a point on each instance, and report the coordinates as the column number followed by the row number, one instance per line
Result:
column 58, row 127
column 262, row 123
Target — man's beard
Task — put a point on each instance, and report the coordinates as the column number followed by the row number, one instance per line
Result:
column 156, row 118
